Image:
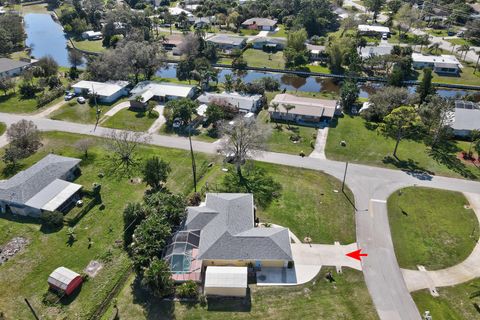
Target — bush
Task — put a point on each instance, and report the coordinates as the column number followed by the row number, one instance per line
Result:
column 188, row 289
column 49, row 96
column 52, row 219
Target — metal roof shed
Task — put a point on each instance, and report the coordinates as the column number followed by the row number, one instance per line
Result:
column 226, row 281
column 65, row 280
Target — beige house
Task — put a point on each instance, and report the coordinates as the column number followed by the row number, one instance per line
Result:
column 305, row 110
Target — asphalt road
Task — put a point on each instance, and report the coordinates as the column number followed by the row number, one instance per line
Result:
column 371, row 187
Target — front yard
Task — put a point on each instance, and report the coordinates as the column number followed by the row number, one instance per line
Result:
column 131, row 120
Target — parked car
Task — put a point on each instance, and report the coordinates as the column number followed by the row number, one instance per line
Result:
column 450, row 33
column 177, row 123
column 81, row 100
column 69, row 96
column 461, row 34
column 385, row 36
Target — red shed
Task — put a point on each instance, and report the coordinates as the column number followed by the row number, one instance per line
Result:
column 64, row 280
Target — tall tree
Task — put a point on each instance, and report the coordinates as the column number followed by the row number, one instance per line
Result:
column 75, row 58
column 425, row 88
column 155, row 173
column 436, row 117
column 349, row 94
column 157, row 277
column 374, row 6
column 123, row 156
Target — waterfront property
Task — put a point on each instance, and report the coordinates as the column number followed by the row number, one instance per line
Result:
column 443, row 64
column 368, row 30
column 227, row 42
column 12, row 68
column 465, row 118
column 159, row 91
column 269, row 44
column 371, row 51
column 44, row 186
column 223, row 232
column 244, row 103
column 264, row 24
column 315, row 51
column 92, row 35
column 106, row 92
column 303, row 110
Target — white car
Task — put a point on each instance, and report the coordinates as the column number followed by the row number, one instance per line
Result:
column 81, row 100
column 385, row 36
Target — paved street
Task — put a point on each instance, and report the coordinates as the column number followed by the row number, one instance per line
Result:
column 371, row 187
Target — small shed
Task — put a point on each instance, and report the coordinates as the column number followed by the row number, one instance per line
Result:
column 64, row 280
column 226, row 281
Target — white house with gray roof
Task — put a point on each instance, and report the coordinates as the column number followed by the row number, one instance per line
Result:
column 465, row 118
column 244, row 103
column 44, row 186
column 224, row 234
column 226, row 42
column 12, row 68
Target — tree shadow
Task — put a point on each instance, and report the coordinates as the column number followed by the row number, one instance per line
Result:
column 451, row 162
column 410, row 167
column 154, row 308
column 66, row 300
column 230, row 304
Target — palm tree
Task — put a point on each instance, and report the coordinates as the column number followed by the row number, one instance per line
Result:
column 275, row 109
column 287, row 108
column 434, row 47
column 478, row 58
column 464, row 48
column 453, row 45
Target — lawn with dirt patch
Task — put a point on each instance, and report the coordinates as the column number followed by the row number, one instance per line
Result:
column 260, row 59
column 431, row 227
column 131, row 120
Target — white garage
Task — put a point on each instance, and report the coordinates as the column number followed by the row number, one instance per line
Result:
column 226, row 281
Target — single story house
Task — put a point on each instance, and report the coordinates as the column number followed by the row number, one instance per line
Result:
column 226, row 281
column 244, row 103
column 160, row 91
column 44, row 186
column 307, row 110
column 269, row 44
column 466, row 118
column 445, row 63
column 176, row 11
column 12, row 68
column 106, row 92
column 203, row 22
column 368, row 30
column 222, row 232
column 92, row 35
column 370, row 51
column 316, row 52
column 264, row 24
column 227, row 42
column 64, row 280
column 173, row 43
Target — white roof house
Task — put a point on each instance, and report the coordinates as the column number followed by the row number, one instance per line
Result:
column 226, row 281
column 92, row 35
column 245, row 103
column 444, row 58
column 466, row 117
column 53, row 195
column 365, row 28
column 176, row 11
column 110, row 90
column 162, row 90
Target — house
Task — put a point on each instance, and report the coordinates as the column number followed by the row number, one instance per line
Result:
column 371, row 51
column 106, row 92
column 217, row 278
column 368, row 30
column 12, row 68
column 44, row 186
column 244, row 103
column 173, row 43
column 176, row 11
column 160, row 91
column 269, row 44
column 446, row 64
column 466, row 118
column 227, row 42
column 316, row 52
column 203, row 22
column 64, row 280
column 307, row 110
column 263, row 24
column 221, row 232
column 92, row 35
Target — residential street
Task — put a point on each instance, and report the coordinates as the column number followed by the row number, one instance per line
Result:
column 371, row 187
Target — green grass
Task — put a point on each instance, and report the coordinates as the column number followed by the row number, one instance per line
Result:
column 454, row 303
column 437, row 32
column 3, row 128
column 25, row 276
column 92, row 46
column 14, row 103
column 395, row 38
column 260, row 59
column 466, row 76
column 81, row 113
column 347, row 298
column 248, row 32
column 131, row 120
column 431, row 227
column 279, row 140
column 369, row 147
column 282, row 33
column 460, row 41
column 319, row 68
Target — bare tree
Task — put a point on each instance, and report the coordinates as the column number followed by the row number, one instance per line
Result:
column 123, row 146
column 24, row 135
column 243, row 139
column 83, row 146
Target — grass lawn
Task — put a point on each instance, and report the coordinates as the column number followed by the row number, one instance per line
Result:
column 225, row 60
column 248, row 32
column 369, row 147
column 395, row 38
column 347, row 298
column 25, row 275
column 466, row 76
column 131, row 120
column 260, row 59
column 281, row 33
column 82, row 113
column 279, row 140
column 14, row 103
column 3, row 127
column 437, row 32
column 92, row 46
column 199, row 133
column 460, row 41
column 454, row 303
column 431, row 227
column 319, row 68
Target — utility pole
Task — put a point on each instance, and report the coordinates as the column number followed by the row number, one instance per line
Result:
column 97, row 110
column 31, row 309
column 344, row 175
column 194, row 167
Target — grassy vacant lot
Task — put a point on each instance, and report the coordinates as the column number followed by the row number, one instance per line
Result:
column 431, row 227
column 92, row 46
column 347, row 298
column 365, row 145
column 131, row 120
column 14, row 103
column 454, row 303
column 260, row 59
column 279, row 140
column 25, row 276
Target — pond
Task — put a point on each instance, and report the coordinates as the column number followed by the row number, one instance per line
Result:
column 46, row 37
column 308, row 84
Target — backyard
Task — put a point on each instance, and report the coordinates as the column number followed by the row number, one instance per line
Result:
column 87, row 45
column 131, row 120
column 431, row 227
column 260, row 59
column 365, row 145
column 49, row 250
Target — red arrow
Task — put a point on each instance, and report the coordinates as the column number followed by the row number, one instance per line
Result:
column 356, row 254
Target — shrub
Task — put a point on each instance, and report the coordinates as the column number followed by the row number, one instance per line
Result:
column 49, row 96
column 188, row 289
column 52, row 219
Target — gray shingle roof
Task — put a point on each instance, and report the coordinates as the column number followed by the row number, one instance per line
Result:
column 227, row 39
column 26, row 184
column 228, row 232
column 9, row 64
column 259, row 22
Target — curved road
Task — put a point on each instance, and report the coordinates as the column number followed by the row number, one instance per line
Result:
column 371, row 187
